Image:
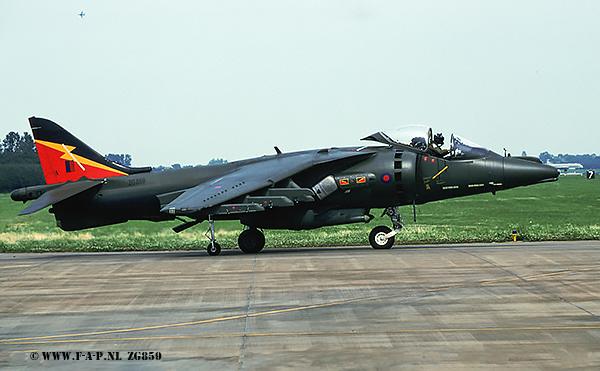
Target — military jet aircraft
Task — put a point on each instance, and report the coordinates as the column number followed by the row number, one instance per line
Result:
column 296, row 191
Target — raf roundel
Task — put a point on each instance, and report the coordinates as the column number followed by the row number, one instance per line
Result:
column 386, row 177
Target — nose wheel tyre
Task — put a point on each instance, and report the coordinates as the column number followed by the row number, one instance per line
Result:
column 377, row 238
column 251, row 241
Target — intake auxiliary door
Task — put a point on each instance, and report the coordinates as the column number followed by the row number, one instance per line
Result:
column 405, row 175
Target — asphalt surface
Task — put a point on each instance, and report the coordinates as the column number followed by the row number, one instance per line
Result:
column 518, row 306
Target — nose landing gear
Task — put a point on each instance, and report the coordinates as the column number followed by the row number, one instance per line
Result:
column 383, row 237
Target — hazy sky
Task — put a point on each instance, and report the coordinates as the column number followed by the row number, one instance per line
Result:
column 183, row 82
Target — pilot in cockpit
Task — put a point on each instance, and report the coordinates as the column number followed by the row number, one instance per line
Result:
column 419, row 143
column 436, row 145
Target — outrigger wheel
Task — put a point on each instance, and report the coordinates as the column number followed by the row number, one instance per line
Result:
column 213, row 249
column 251, row 241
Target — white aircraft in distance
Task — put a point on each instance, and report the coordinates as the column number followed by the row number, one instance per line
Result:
column 82, row 14
column 565, row 167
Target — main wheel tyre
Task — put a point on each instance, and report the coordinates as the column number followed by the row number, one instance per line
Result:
column 251, row 241
column 377, row 238
column 213, row 249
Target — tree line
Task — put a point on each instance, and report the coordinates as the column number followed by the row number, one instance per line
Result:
column 19, row 162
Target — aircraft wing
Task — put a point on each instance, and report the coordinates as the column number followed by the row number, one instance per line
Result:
column 247, row 178
column 60, row 194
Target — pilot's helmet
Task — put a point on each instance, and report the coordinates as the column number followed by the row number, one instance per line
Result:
column 438, row 139
column 419, row 143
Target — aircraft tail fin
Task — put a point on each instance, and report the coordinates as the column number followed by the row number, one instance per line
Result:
column 66, row 158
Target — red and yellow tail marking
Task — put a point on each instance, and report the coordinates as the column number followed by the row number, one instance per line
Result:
column 60, row 164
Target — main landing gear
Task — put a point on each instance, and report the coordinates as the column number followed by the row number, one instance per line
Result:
column 250, row 241
column 383, row 237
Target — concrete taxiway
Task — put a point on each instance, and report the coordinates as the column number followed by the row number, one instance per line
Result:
column 518, row 306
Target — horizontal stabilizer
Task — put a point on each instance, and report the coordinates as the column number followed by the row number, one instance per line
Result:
column 60, row 194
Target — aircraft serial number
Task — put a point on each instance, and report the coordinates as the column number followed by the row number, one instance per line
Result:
column 135, row 182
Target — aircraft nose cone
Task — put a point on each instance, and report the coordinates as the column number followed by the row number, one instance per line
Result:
column 519, row 172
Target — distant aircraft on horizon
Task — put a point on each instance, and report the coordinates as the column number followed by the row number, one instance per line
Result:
column 566, row 167
column 82, row 14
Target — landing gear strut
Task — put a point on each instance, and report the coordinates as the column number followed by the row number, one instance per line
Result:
column 382, row 237
column 213, row 247
column 251, row 241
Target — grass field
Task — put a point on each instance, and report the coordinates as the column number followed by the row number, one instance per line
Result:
column 565, row 210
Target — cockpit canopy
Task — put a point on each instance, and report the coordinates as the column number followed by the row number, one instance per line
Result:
column 421, row 138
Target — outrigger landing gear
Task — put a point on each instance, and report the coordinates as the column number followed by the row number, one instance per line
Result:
column 382, row 237
column 251, row 241
column 213, row 247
